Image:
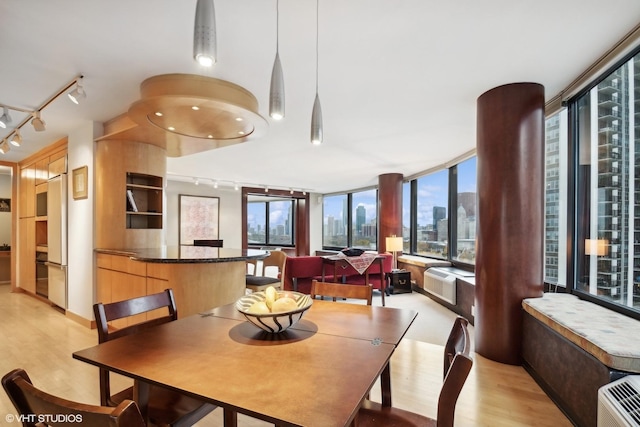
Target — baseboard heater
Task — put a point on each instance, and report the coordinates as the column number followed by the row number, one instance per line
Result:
column 440, row 283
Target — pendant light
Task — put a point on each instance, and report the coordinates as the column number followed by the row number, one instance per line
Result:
column 316, row 115
column 204, row 34
column 276, row 93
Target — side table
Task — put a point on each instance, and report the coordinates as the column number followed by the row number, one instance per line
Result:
column 399, row 282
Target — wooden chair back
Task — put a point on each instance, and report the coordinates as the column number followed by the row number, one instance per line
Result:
column 214, row 243
column 32, row 403
column 458, row 342
column 259, row 282
column 166, row 407
column 453, row 383
column 341, row 290
column 276, row 259
column 105, row 313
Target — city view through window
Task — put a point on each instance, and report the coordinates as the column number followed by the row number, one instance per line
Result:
column 270, row 223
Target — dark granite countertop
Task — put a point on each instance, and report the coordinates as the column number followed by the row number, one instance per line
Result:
column 187, row 254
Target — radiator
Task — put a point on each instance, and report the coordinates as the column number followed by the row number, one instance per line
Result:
column 619, row 403
column 441, row 284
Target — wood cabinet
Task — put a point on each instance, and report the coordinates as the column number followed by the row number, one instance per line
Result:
column 144, row 201
column 197, row 286
column 27, row 191
column 27, row 254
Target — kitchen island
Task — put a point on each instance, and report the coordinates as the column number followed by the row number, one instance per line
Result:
column 201, row 277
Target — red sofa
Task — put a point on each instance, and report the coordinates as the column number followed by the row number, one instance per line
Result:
column 300, row 271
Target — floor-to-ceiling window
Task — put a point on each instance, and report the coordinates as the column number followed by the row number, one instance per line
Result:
column 432, row 219
column 364, row 211
column 607, row 187
column 335, row 221
column 465, row 199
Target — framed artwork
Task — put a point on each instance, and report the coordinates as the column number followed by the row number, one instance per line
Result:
column 79, row 182
column 198, row 216
column 5, row 205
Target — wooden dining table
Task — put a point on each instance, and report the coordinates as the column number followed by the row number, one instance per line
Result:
column 316, row 373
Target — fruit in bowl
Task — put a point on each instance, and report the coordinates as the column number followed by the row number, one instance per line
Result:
column 274, row 311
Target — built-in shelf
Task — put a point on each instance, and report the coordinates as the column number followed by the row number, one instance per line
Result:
column 143, row 199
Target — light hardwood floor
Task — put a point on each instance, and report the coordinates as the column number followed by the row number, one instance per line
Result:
column 40, row 339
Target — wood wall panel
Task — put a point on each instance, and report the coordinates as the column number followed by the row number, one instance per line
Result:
column 113, row 160
column 509, row 260
column 389, row 208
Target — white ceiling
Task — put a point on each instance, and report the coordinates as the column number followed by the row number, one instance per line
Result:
column 398, row 80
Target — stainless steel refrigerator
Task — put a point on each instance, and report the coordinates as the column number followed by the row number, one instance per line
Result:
column 57, row 239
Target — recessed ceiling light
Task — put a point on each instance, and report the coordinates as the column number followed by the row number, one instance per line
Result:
column 195, row 108
column 158, row 113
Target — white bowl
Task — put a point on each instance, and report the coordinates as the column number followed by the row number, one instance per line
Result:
column 274, row 322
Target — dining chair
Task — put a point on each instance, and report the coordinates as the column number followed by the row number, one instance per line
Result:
column 34, row 405
column 165, row 407
column 259, row 282
column 374, row 414
column 341, row 290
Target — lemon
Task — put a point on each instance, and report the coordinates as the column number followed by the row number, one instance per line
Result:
column 271, row 295
column 284, row 304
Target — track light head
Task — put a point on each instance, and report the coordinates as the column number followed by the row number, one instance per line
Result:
column 5, row 147
column 5, row 119
column 38, row 124
column 17, row 139
column 77, row 94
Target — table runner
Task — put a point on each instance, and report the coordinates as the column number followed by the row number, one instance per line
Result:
column 360, row 263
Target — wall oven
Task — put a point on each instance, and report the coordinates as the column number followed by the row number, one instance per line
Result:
column 42, row 274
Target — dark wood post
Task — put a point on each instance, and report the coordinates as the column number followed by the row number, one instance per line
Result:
column 509, row 258
column 389, row 208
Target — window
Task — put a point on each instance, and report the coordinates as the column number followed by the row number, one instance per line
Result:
column 270, row 223
column 364, row 225
column 406, row 217
column 608, row 188
column 555, row 199
column 432, row 223
column 335, row 221
column 466, row 212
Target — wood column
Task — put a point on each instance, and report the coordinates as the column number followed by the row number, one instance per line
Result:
column 389, row 208
column 509, row 258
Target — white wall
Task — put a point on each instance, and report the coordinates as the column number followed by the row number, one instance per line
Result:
column 5, row 217
column 230, row 214
column 80, row 235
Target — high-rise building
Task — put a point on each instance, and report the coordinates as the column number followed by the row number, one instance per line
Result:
column 361, row 218
column 439, row 212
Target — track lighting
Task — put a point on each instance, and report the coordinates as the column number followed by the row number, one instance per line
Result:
column 17, row 138
column 5, row 119
column 204, row 34
column 78, row 94
column 38, row 124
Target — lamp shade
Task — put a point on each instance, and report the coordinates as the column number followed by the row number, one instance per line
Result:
column 595, row 247
column 394, row 244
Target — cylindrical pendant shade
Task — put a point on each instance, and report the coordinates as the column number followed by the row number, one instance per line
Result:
column 204, row 34
column 316, row 122
column 276, row 93
column 509, row 258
